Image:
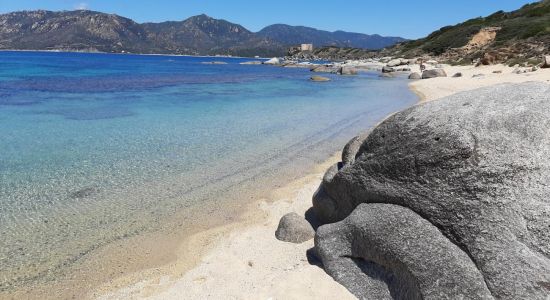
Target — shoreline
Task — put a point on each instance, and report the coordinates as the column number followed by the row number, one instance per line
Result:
column 137, row 54
column 299, row 284
column 259, row 219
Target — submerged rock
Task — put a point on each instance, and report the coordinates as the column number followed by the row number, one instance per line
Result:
column 214, row 63
column 433, row 73
column 254, row 62
column 319, row 78
column 294, row 229
column 468, row 174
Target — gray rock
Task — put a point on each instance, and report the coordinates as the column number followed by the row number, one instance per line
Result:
column 478, row 75
column 319, row 78
column 379, row 252
column 387, row 69
column 352, row 147
column 403, row 69
column 546, row 61
column 427, row 74
column 324, row 69
column 415, row 76
column 294, row 229
column 456, row 75
column 474, row 165
column 347, row 71
column 394, row 62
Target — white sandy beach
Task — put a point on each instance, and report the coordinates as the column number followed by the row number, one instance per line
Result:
column 250, row 263
column 436, row 88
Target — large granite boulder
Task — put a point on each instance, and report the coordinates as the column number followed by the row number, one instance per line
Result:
column 379, row 252
column 545, row 62
column 472, row 168
column 433, row 73
column 294, row 229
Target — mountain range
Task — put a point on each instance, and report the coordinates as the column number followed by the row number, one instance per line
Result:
column 84, row 30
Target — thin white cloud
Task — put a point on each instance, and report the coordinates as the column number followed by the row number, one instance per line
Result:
column 81, row 6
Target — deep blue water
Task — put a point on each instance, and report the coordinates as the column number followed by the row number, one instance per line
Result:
column 96, row 147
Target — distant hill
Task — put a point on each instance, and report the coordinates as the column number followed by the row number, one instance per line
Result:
column 290, row 35
column 199, row 35
column 502, row 36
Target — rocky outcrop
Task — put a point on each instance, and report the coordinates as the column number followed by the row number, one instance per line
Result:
column 546, row 62
column 294, row 229
column 433, row 73
column 468, row 175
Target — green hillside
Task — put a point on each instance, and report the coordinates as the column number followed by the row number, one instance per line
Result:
column 528, row 25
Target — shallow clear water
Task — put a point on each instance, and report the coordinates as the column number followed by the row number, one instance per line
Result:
column 97, row 147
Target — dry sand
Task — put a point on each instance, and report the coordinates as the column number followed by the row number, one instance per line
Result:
column 435, row 88
column 246, row 261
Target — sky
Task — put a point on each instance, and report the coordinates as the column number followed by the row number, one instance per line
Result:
column 405, row 18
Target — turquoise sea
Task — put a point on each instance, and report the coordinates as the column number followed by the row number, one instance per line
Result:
column 96, row 148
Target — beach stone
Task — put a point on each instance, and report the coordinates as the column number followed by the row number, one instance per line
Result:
column 546, row 62
column 347, row 71
column 457, row 75
column 324, row 69
column 294, row 229
column 394, row 63
column 391, row 242
column 319, row 78
column 475, row 167
column 387, row 69
column 415, row 75
column 478, row 75
column 427, row 74
column 273, row 61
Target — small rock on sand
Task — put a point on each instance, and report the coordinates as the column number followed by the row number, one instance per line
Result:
column 456, row 75
column 433, row 73
column 294, row 229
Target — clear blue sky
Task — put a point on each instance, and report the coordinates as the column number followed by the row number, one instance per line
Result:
column 407, row 18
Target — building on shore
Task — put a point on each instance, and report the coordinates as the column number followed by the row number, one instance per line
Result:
column 300, row 48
